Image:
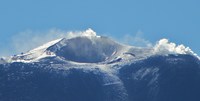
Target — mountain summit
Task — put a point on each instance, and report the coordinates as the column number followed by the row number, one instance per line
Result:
column 88, row 67
column 88, row 47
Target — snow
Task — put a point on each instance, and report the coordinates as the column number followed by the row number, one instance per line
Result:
column 45, row 46
column 144, row 72
column 35, row 54
column 89, row 48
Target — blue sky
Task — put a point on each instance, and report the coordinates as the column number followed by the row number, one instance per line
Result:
column 177, row 20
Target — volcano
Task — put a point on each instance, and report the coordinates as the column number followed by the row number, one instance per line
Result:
column 89, row 67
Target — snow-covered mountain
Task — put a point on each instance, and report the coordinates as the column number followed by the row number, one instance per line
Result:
column 91, row 48
column 88, row 67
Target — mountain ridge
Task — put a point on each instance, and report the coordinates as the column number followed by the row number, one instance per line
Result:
column 88, row 67
column 104, row 48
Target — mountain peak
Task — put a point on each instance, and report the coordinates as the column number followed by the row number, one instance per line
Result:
column 88, row 47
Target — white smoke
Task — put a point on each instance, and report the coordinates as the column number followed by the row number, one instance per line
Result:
column 89, row 33
column 137, row 40
column 28, row 40
column 4, row 52
column 164, row 47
